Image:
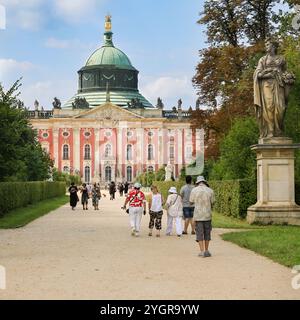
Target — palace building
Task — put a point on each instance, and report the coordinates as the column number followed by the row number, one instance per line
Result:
column 108, row 131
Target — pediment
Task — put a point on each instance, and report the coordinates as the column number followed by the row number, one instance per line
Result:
column 108, row 111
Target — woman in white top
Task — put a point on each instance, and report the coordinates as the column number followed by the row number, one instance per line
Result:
column 155, row 211
column 174, row 209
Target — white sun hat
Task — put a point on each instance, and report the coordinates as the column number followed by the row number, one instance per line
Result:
column 200, row 179
column 137, row 185
column 172, row 190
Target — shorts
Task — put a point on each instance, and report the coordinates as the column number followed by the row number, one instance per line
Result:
column 203, row 230
column 188, row 212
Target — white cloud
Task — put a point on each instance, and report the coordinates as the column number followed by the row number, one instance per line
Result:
column 73, row 10
column 24, row 14
column 167, row 87
column 11, row 69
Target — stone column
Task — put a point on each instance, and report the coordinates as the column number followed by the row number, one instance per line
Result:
column 275, row 184
column 119, row 153
column 55, row 146
column 97, row 154
column 76, row 148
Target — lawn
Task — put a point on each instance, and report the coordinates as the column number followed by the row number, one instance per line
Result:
column 279, row 243
column 22, row 216
column 222, row 221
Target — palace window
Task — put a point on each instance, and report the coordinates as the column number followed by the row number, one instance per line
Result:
column 65, row 152
column 107, row 150
column 129, row 174
column 87, row 174
column 129, row 152
column 87, row 152
column 150, row 152
column 171, row 152
column 108, row 174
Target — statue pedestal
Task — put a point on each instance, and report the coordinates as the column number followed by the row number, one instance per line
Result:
column 275, row 183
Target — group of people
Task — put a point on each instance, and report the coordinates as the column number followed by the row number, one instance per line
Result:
column 87, row 191
column 121, row 187
column 192, row 203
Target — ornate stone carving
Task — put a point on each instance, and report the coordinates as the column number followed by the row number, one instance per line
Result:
column 80, row 103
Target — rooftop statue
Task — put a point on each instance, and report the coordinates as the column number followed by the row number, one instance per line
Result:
column 56, row 103
column 272, row 83
column 179, row 104
column 135, row 103
column 80, row 103
column 198, row 104
column 36, row 105
column 159, row 104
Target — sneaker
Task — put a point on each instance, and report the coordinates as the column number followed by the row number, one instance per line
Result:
column 132, row 231
column 201, row 254
column 184, row 232
column 150, row 234
column 193, row 232
column 206, row 254
column 137, row 234
column 179, row 235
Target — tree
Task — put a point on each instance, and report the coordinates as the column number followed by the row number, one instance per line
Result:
column 21, row 157
column 237, row 160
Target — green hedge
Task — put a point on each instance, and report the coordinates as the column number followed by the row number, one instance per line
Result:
column 233, row 197
column 15, row 195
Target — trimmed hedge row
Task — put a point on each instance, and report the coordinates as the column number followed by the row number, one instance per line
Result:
column 15, row 195
column 233, row 197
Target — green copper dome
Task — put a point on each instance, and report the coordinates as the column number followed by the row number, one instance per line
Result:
column 108, row 54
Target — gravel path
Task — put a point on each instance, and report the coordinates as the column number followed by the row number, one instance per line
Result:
column 91, row 255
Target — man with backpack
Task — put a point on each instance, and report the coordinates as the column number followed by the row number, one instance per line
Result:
column 137, row 206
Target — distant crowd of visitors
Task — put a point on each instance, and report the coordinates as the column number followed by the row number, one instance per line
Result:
column 193, row 204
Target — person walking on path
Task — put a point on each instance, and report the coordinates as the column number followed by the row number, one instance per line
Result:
column 188, row 207
column 155, row 211
column 96, row 196
column 84, row 196
column 73, row 195
column 203, row 198
column 174, row 210
column 112, row 190
column 126, row 187
column 137, row 206
column 121, row 189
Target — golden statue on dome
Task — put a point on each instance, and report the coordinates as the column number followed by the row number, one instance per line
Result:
column 108, row 23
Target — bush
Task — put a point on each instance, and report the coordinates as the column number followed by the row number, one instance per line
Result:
column 66, row 177
column 20, row 194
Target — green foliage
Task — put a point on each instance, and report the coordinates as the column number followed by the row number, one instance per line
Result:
column 66, row 177
column 164, row 186
column 19, row 194
column 146, row 179
column 22, row 157
column 233, row 197
column 237, row 161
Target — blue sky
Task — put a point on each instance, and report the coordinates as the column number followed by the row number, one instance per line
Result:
column 48, row 41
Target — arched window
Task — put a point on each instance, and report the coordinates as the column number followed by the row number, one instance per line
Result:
column 150, row 152
column 108, row 150
column 65, row 152
column 65, row 169
column 108, row 174
column 87, row 152
column 172, row 152
column 87, row 174
column 129, row 152
column 129, row 174
column 150, row 169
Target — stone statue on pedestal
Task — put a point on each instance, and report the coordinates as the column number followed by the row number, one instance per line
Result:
column 168, row 172
column 56, row 103
column 275, row 153
column 272, row 83
column 36, row 105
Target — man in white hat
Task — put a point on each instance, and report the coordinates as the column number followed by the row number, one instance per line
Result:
column 174, row 209
column 203, row 198
column 137, row 206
